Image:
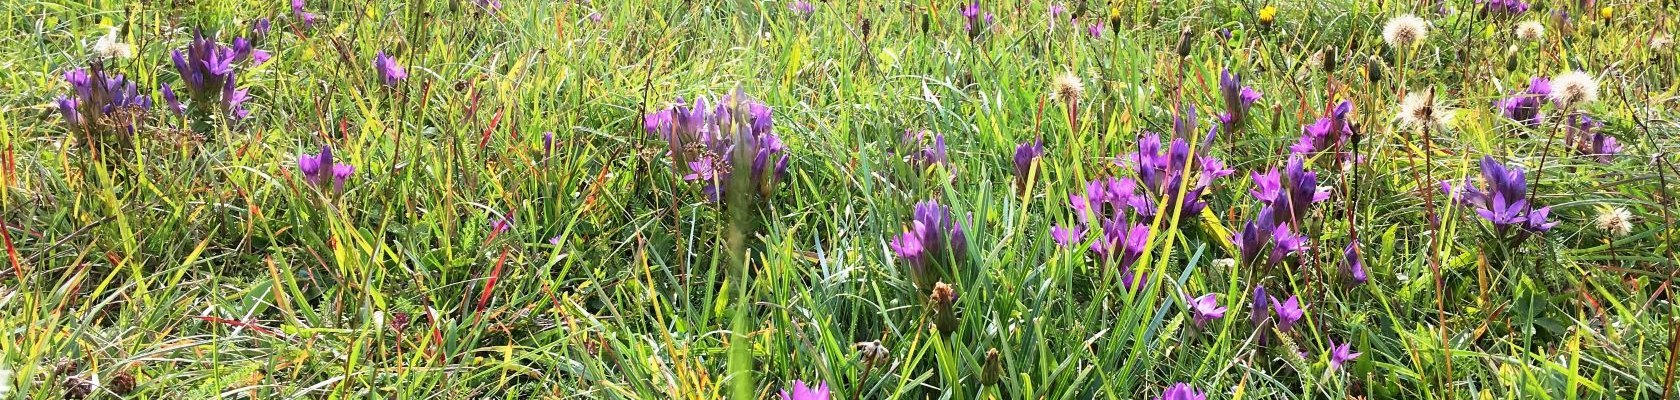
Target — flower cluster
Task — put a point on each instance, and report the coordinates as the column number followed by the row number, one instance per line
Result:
column 208, row 69
column 1104, row 206
column 1238, row 99
column 1329, row 133
column 973, row 15
column 803, row 392
column 1264, row 230
column 1503, row 7
column 934, row 242
column 1584, row 136
column 1163, row 174
column 1026, row 155
column 715, row 141
column 921, row 152
column 1290, row 194
column 389, row 71
column 102, row 104
column 325, row 172
column 1182, row 391
column 1524, row 106
column 802, row 8
column 1503, row 202
column 308, row 19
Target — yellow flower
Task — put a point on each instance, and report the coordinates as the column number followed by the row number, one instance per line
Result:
column 1268, row 14
column 1606, row 12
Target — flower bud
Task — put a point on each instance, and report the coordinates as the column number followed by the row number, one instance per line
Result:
column 1185, row 39
column 993, row 368
column 943, row 305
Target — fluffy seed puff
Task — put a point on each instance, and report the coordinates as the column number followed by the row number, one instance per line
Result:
column 1405, row 30
column 1421, row 110
column 1530, row 31
column 1574, row 88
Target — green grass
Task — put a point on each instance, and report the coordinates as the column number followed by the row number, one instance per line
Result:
column 201, row 264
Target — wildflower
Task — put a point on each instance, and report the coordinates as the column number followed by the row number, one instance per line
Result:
column 1352, row 263
column 502, row 224
column 972, row 13
column 992, row 369
column 714, row 142
column 1503, row 202
column 1585, row 137
column 1328, row 133
column 308, row 18
column 1291, row 194
column 102, row 105
column 488, row 5
column 872, row 353
column 1257, row 311
column 1405, row 30
column 802, row 8
column 111, row 46
column 555, row 241
column 1066, row 236
column 942, row 303
column 1420, row 110
column 803, row 392
column 1095, row 30
column 1288, row 311
column 1056, row 10
column 1026, row 155
column 1607, row 12
column 323, row 170
column 934, row 242
column 1225, row 263
column 1574, row 88
column 1340, row 354
column 547, row 144
column 1267, row 14
column 922, row 154
column 1163, row 174
column 1238, row 99
column 207, row 67
column 260, row 28
column 1067, row 89
column 1503, row 7
column 1204, row 309
column 1530, row 31
column 1186, row 39
column 1616, row 221
column 1661, row 42
column 1182, row 391
column 595, row 16
column 389, row 71
column 1524, row 107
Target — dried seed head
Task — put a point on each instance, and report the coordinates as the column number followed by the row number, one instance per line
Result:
column 1530, row 31
column 1616, row 221
column 1574, row 88
column 1405, row 30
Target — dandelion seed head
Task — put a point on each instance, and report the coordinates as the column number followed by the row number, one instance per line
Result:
column 1616, row 221
column 1419, row 109
column 1405, row 30
column 111, row 46
column 1574, row 88
column 1530, row 31
column 1067, row 88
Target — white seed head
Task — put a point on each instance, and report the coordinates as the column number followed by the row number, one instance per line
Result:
column 1661, row 42
column 1421, row 110
column 110, row 46
column 1405, row 30
column 1067, row 88
column 1531, row 31
column 1616, row 221
column 1574, row 88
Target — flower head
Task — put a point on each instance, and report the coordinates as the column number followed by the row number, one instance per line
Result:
column 802, row 8
column 1026, row 155
column 1340, row 354
column 1405, row 30
column 717, row 141
column 1288, row 311
column 932, row 244
column 307, row 18
column 1589, row 141
column 1267, row 14
column 102, row 105
column 1524, row 106
column 1531, row 31
column 389, row 71
column 111, row 46
column 1206, row 308
column 1616, row 221
column 803, row 392
column 1238, row 99
column 208, row 70
column 1503, row 7
column 325, row 172
column 924, row 149
column 976, row 20
column 1164, row 173
column 1289, row 195
column 1503, row 202
column 1067, row 89
column 1574, row 88
column 1421, row 110
column 1328, row 133
column 1182, row 391
column 1258, row 311
column 1352, row 264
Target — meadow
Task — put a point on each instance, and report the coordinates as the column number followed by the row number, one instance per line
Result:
column 870, row 199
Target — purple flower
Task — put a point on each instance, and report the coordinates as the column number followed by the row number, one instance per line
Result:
column 1257, row 311
column 1585, row 137
column 1066, row 236
column 308, row 18
column 1238, row 99
column 1204, row 309
column 1352, row 264
column 716, row 141
column 802, row 8
column 325, row 172
column 1163, row 174
column 389, row 71
column 1503, row 7
column 922, row 154
column 1503, row 203
column 501, row 225
column 1524, row 106
column 488, row 5
column 1340, row 354
column 802, row 392
column 1288, row 311
column 547, row 144
column 1290, row 195
column 1026, row 154
column 972, row 13
column 1182, row 391
column 208, row 68
column 1095, row 30
column 101, row 104
column 260, row 28
column 1328, row 133
column 934, row 242
column 595, row 17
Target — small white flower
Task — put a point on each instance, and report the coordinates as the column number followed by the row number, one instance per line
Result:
column 110, row 46
column 1616, row 221
column 1574, row 88
column 1531, row 31
column 1405, row 30
column 1224, row 263
column 1419, row 109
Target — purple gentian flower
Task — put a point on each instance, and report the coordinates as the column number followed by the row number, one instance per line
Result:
column 1328, row 133
column 922, row 154
column 1026, row 155
column 1257, row 311
column 548, row 144
column 803, row 392
column 717, row 141
column 260, row 28
column 1205, row 309
column 1182, row 391
column 1503, row 7
column 207, row 67
column 972, row 13
column 1340, row 354
column 1585, row 137
column 1095, row 30
column 1066, row 236
column 1524, row 106
column 1291, row 194
column 489, row 5
column 1504, row 201
column 1163, row 174
column 1238, row 99
column 502, row 224
column 389, row 71
column 325, row 172
column 934, row 240
column 308, row 18
column 802, row 8
column 1352, row 263
column 1288, row 311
